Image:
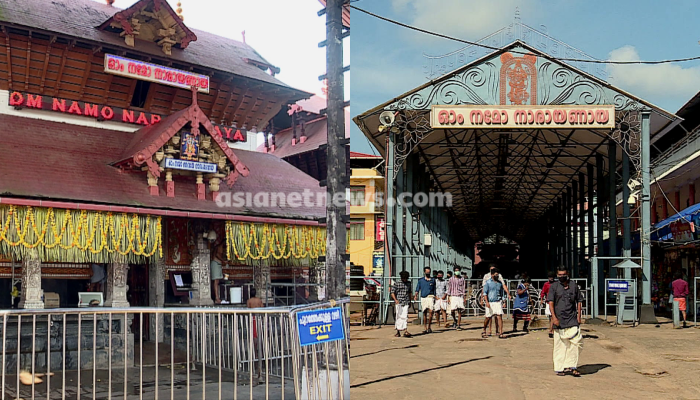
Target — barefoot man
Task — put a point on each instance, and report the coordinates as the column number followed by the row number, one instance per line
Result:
column 256, row 302
column 565, row 300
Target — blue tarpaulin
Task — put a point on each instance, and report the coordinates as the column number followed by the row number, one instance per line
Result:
column 662, row 230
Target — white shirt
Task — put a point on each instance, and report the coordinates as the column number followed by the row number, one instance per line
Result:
column 488, row 276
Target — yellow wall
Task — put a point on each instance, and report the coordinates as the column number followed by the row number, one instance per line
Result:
column 361, row 251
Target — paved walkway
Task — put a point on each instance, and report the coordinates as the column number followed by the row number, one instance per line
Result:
column 616, row 363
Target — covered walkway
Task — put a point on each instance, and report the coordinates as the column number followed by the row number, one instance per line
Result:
column 531, row 149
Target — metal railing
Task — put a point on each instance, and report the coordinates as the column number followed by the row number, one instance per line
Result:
column 473, row 295
column 197, row 353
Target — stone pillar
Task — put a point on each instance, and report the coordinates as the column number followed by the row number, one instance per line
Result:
column 116, row 283
column 32, row 294
column 156, row 296
column 201, row 281
column 261, row 277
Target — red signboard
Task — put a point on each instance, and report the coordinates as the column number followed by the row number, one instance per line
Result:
column 106, row 113
column 379, row 236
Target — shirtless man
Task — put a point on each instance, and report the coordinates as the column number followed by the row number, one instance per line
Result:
column 255, row 302
column 218, row 255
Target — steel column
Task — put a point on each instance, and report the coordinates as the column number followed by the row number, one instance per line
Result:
column 626, row 222
column 646, row 211
column 388, row 221
column 574, row 222
column 600, row 213
column 612, row 207
column 567, row 227
column 581, row 223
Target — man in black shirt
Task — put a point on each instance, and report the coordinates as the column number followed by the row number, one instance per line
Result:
column 564, row 299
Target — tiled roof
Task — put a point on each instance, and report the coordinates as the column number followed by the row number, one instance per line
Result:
column 51, row 160
column 354, row 154
column 81, row 19
column 316, row 135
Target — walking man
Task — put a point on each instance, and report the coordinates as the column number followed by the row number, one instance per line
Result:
column 543, row 295
column 565, row 300
column 440, row 298
column 455, row 291
column 493, row 296
column 680, row 293
column 401, row 294
column 426, row 289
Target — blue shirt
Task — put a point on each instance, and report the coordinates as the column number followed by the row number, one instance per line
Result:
column 521, row 301
column 425, row 287
column 493, row 291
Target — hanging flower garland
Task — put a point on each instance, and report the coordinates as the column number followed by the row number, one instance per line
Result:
column 250, row 241
column 79, row 236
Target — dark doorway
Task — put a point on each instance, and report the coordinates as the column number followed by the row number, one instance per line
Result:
column 138, row 297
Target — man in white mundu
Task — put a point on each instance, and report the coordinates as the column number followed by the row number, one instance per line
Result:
column 564, row 300
column 455, row 292
column 401, row 294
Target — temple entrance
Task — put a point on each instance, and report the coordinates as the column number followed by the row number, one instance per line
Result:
column 138, row 297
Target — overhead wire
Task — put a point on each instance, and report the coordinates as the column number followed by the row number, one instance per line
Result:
column 592, row 61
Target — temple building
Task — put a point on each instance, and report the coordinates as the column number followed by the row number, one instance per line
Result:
column 128, row 148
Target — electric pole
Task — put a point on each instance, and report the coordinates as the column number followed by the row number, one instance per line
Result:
column 337, row 161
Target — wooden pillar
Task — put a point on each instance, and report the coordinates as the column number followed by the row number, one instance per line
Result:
column 677, row 201
column 691, row 193
column 32, row 293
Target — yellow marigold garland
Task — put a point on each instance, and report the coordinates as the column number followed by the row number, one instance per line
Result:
column 251, row 241
column 94, row 233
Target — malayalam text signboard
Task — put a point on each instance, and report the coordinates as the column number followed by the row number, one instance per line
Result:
column 144, row 71
column 618, row 286
column 173, row 163
column 319, row 326
column 518, row 117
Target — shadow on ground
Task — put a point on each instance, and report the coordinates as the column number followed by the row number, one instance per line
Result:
column 419, row 372
column 590, row 369
column 380, row 351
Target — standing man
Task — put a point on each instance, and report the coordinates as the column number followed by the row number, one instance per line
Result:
column 543, row 296
column 455, row 291
column 401, row 294
column 680, row 293
column 487, row 277
column 441, row 297
column 218, row 255
column 255, row 302
column 565, row 300
column 426, row 289
column 493, row 296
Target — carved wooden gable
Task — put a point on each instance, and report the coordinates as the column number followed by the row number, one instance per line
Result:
column 185, row 143
column 153, row 21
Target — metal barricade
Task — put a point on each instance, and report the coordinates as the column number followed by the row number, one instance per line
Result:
column 175, row 353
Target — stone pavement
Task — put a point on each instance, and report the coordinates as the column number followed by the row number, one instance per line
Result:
column 644, row 362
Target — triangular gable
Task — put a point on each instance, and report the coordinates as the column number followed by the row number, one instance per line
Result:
column 151, row 20
column 497, row 78
column 150, row 139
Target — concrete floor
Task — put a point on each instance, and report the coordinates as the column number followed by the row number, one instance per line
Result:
column 645, row 362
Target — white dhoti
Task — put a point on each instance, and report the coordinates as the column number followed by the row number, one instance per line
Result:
column 427, row 303
column 440, row 304
column 493, row 309
column 401, row 317
column 456, row 303
column 567, row 345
